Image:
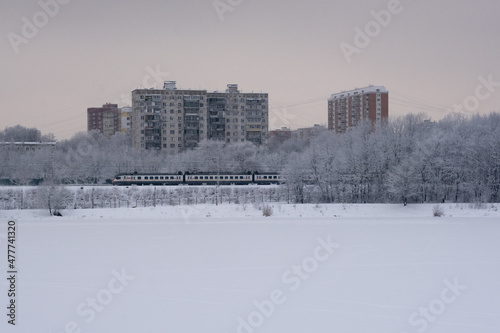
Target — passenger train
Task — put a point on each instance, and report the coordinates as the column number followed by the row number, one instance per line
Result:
column 197, row 179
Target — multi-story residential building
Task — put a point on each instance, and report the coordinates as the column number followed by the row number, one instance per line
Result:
column 173, row 120
column 106, row 119
column 238, row 117
column 126, row 118
column 168, row 119
column 347, row 109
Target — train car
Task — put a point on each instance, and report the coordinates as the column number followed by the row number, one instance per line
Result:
column 218, row 179
column 148, row 179
column 267, row 178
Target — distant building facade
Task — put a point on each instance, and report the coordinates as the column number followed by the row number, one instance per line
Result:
column 308, row 132
column 126, row 119
column 173, row 120
column 106, row 119
column 280, row 135
column 29, row 146
column 349, row 108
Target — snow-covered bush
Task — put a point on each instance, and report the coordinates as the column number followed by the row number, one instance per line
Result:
column 267, row 210
column 437, row 211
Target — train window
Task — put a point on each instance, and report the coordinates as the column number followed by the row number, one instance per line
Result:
column 230, row 177
column 211, row 177
column 157, row 177
column 161, row 177
column 265, row 177
column 139, row 177
column 118, row 178
column 225, row 177
column 195, row 177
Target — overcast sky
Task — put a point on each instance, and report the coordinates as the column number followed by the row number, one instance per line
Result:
column 430, row 55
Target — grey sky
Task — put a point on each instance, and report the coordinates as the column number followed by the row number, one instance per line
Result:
column 92, row 52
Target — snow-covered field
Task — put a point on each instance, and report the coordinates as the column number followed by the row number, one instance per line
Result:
column 226, row 268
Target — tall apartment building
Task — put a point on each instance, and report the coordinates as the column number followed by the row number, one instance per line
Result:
column 173, row 120
column 106, row 119
column 238, row 117
column 347, row 109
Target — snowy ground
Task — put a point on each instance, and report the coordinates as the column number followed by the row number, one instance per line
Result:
column 307, row 268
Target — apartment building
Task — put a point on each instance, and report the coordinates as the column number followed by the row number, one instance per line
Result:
column 168, row 119
column 348, row 108
column 172, row 120
column 238, row 117
column 106, row 119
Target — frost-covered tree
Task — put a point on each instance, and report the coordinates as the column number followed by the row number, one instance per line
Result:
column 54, row 197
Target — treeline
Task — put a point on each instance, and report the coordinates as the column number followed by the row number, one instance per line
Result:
column 411, row 159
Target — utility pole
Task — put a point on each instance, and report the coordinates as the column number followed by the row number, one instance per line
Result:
column 218, row 177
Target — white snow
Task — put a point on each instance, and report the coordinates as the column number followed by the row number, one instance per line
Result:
column 209, row 268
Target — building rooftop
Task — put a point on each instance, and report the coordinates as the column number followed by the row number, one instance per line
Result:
column 365, row 90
